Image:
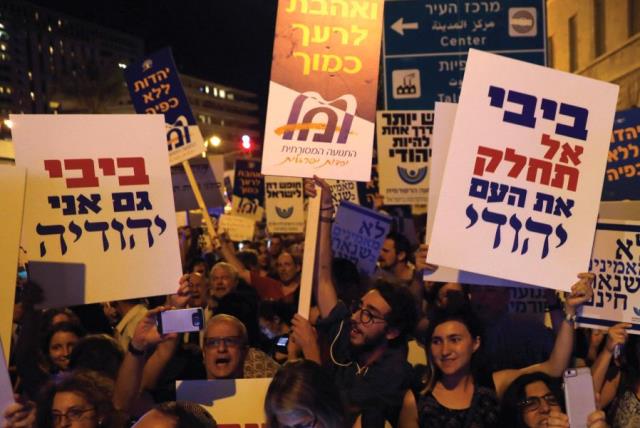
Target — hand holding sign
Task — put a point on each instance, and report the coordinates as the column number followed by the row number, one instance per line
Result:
column 581, row 292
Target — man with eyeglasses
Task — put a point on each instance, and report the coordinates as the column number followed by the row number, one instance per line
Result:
column 225, row 347
column 368, row 346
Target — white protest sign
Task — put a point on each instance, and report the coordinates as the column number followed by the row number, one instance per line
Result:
column 343, row 190
column 445, row 114
column 615, row 261
column 99, row 203
column 237, row 403
column 284, row 204
column 358, row 234
column 403, row 154
column 520, row 193
column 12, row 180
column 239, row 228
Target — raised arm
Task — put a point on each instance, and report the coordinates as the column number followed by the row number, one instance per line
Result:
column 617, row 335
column 228, row 253
column 560, row 356
column 324, row 288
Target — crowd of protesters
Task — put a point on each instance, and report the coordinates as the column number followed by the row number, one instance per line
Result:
column 345, row 365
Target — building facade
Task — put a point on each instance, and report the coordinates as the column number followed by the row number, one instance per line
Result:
column 598, row 39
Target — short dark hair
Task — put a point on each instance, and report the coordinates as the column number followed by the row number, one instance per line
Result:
column 510, row 412
column 187, row 414
column 401, row 243
column 403, row 315
column 249, row 258
column 97, row 352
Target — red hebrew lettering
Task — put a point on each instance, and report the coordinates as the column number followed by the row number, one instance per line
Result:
column 54, row 167
column 85, row 166
column 139, row 172
column 107, row 166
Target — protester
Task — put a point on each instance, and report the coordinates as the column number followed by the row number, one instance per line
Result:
column 534, row 400
column 302, row 394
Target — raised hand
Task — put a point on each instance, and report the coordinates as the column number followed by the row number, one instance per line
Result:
column 146, row 335
column 581, row 292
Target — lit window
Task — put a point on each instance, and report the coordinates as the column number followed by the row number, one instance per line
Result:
column 1, row 90
column 32, row 95
column 206, row 89
column 122, row 65
column 49, row 28
column 230, row 96
column 50, row 50
column 215, row 91
column 59, row 23
column 1, row 25
column 30, row 75
column 8, row 90
column 37, row 16
column 3, row 46
column 221, row 92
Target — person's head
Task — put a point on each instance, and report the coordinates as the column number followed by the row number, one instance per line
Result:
column 489, row 302
column 288, row 267
column 528, row 401
column 346, row 279
column 445, row 293
column 199, row 266
column 97, row 352
column 302, row 394
column 225, row 347
column 176, row 414
column 79, row 399
column 395, row 249
column 273, row 317
column 453, row 337
column 249, row 259
column 387, row 313
column 223, row 279
column 274, row 246
column 54, row 316
column 58, row 343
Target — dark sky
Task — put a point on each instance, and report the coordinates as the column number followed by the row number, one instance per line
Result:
column 226, row 41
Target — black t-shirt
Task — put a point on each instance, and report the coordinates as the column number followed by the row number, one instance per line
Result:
column 483, row 412
column 375, row 392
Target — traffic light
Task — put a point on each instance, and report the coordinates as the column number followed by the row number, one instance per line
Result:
column 247, row 145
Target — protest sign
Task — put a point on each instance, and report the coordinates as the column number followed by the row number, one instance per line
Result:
column 239, row 228
column 521, row 189
column 343, row 190
column 369, row 192
column 443, row 125
column 106, row 205
column 322, row 94
column 284, row 205
column 403, row 154
column 358, row 234
column 623, row 162
column 528, row 301
column 12, row 180
column 210, row 186
column 155, row 88
column 234, row 403
column 248, row 190
column 614, row 261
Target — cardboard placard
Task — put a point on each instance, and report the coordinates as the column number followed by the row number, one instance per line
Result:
column 12, row 188
column 239, row 228
column 358, row 234
column 623, row 163
column 106, row 206
column 155, row 88
column 210, row 186
column 248, row 190
column 322, row 94
column 404, row 150
column 284, row 205
column 614, row 261
column 521, row 189
column 343, row 190
column 232, row 402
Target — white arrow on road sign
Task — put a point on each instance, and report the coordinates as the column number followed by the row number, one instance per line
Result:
column 399, row 26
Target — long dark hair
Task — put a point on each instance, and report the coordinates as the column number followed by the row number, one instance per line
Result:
column 463, row 315
column 510, row 412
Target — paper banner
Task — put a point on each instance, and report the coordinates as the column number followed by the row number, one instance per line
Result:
column 239, row 228
column 284, row 205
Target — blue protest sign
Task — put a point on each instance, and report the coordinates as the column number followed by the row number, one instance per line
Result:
column 358, row 234
column 623, row 163
column 426, row 45
column 248, row 189
column 155, row 88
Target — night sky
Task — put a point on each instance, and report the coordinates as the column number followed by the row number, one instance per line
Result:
column 226, row 41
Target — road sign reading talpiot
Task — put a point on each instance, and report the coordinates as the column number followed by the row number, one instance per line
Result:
column 322, row 94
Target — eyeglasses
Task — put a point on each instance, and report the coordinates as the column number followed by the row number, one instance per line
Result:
column 532, row 403
column 366, row 316
column 74, row 414
column 229, row 342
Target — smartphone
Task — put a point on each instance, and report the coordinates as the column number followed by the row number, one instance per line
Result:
column 579, row 396
column 180, row 320
column 281, row 344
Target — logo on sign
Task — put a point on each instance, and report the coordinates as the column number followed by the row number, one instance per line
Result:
column 406, row 83
column 147, row 64
column 523, row 22
column 178, row 135
column 284, row 212
column 411, row 176
column 325, row 119
column 636, row 311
